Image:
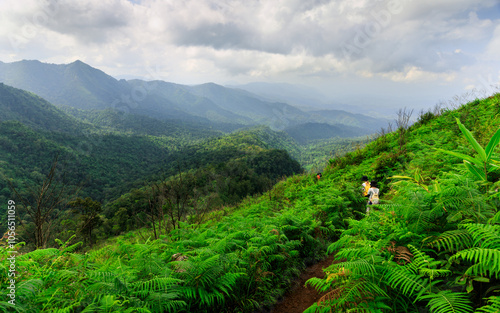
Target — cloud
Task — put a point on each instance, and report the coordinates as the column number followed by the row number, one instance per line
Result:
column 416, row 74
column 328, row 41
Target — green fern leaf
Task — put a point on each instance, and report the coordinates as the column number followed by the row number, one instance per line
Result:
column 447, row 301
column 493, row 305
column 485, row 236
column 485, row 261
column 356, row 267
column 453, row 240
column 408, row 283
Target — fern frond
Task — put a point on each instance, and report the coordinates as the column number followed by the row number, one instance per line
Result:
column 432, row 272
column 71, row 308
column 321, row 285
column 354, row 253
column 356, row 295
column 156, row 284
column 453, row 240
column 29, row 288
column 7, row 307
column 344, row 241
column 164, row 302
column 493, row 305
column 447, row 301
column 419, row 220
column 104, row 275
column 425, row 265
column 410, row 284
column 484, row 235
column 420, row 259
column 40, row 255
column 486, row 261
column 72, row 248
column 495, row 219
column 355, row 267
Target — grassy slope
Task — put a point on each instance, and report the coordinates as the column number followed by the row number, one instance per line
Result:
column 245, row 257
column 414, row 240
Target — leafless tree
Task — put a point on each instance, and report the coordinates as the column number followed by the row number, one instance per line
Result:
column 42, row 202
column 403, row 122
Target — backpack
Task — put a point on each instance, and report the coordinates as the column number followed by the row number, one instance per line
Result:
column 367, row 187
column 374, row 199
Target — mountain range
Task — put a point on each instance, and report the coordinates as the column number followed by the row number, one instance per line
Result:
column 111, row 152
column 81, row 90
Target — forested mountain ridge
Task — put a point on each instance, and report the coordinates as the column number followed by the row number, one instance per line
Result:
column 193, row 103
column 33, row 111
column 112, row 153
column 75, row 84
column 431, row 245
column 78, row 85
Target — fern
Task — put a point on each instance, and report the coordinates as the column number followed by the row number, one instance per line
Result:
column 355, row 267
column 156, row 284
column 359, row 295
column 69, row 309
column 425, row 265
column 486, row 262
column 7, row 307
column 493, row 305
column 447, row 301
column 495, row 219
column 453, row 240
column 28, row 289
column 485, row 236
column 408, row 283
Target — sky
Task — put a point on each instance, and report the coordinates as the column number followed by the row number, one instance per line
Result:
column 386, row 54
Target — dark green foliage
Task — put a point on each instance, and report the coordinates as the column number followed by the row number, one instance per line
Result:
column 86, row 211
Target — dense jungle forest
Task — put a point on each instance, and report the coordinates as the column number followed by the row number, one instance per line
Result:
column 224, row 238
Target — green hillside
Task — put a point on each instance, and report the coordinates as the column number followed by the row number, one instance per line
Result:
column 114, row 158
column 33, row 111
column 432, row 245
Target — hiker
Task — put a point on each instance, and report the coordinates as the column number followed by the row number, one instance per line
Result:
column 366, row 185
column 373, row 195
column 318, row 175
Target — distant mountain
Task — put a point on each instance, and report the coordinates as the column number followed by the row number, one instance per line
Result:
column 190, row 102
column 81, row 86
column 303, row 97
column 313, row 131
column 78, row 85
column 246, row 104
column 338, row 117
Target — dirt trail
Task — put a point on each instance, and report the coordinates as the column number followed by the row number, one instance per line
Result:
column 299, row 298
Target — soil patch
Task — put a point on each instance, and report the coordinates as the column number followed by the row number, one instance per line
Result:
column 299, row 298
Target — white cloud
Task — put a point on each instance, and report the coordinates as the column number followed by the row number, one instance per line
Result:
column 402, row 41
column 416, row 74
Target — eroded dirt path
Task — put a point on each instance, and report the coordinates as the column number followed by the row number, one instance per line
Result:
column 299, row 298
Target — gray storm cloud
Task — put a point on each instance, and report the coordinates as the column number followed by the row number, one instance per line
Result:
column 395, row 39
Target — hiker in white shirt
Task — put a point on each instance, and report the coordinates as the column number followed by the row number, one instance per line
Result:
column 373, row 195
